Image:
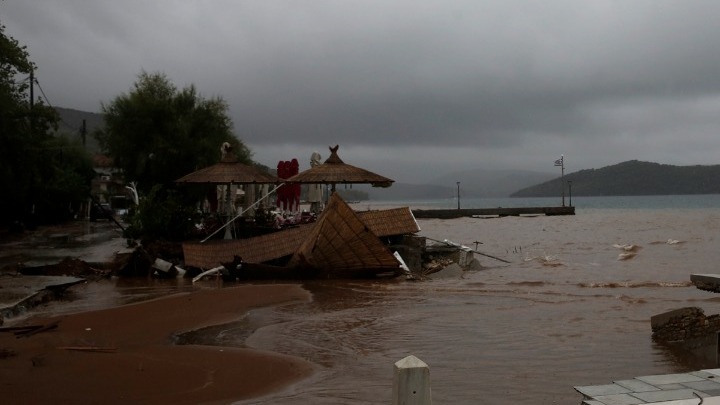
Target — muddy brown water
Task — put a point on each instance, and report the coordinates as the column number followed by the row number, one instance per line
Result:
column 571, row 309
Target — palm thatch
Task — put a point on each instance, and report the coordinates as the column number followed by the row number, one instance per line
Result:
column 229, row 171
column 341, row 245
column 335, row 171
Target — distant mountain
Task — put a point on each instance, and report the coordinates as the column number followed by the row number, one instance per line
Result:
column 473, row 184
column 403, row 191
column 71, row 123
column 632, row 178
column 490, row 183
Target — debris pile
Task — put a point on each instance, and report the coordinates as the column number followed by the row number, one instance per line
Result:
column 67, row 267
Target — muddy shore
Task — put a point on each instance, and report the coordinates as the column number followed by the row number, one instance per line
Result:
column 128, row 354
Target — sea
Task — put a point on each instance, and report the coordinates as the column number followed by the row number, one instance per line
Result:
column 571, row 308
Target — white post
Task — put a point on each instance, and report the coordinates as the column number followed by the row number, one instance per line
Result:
column 411, row 382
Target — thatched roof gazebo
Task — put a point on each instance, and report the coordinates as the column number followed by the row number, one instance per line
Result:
column 229, row 171
column 334, row 171
column 227, row 174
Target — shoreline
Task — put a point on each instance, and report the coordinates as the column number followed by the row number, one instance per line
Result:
column 141, row 364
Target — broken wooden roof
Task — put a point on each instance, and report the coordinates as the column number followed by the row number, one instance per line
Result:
column 395, row 221
column 341, row 243
column 335, row 171
column 229, row 170
column 259, row 249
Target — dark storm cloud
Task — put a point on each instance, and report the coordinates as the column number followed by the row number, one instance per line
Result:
column 498, row 83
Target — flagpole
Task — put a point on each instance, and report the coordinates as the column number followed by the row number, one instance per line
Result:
column 562, row 177
column 561, row 162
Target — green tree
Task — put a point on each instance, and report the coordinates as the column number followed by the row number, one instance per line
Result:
column 157, row 133
column 31, row 177
column 164, row 213
column 67, row 172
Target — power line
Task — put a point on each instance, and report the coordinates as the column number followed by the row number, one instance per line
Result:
column 49, row 103
column 22, row 81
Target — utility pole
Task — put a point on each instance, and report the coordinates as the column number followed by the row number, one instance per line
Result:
column 32, row 103
column 83, row 132
column 458, row 194
column 32, row 89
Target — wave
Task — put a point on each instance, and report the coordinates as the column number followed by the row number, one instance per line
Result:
column 545, row 260
column 528, row 283
column 667, row 242
column 631, row 284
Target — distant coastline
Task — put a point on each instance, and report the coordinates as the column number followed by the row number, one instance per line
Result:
column 648, row 202
column 632, row 178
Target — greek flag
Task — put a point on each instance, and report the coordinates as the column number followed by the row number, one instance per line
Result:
column 559, row 162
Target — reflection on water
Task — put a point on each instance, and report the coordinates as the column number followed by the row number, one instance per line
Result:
column 93, row 242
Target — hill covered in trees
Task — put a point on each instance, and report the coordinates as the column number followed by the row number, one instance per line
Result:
column 632, row 178
column 71, row 124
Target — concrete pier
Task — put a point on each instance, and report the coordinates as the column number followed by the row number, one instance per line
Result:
column 668, row 389
column 492, row 212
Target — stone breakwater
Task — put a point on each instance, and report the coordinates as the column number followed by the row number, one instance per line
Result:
column 691, row 331
column 684, row 324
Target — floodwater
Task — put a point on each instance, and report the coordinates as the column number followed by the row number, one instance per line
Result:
column 93, row 242
column 572, row 308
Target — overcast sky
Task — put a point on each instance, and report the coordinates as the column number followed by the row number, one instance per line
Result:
column 409, row 89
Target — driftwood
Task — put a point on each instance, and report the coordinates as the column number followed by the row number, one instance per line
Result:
column 35, row 329
column 19, row 328
column 208, row 273
column 95, row 349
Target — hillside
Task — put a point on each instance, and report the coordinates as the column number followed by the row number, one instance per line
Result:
column 490, row 183
column 633, row 178
column 71, row 122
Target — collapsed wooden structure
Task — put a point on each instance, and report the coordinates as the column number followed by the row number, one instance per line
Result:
column 342, row 243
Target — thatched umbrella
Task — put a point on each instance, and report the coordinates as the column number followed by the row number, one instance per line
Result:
column 334, row 171
column 229, row 171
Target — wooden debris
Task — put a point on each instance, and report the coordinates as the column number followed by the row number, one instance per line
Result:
column 19, row 328
column 95, row 349
column 208, row 273
column 35, row 330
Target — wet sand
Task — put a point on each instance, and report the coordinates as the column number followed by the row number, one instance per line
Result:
column 143, row 366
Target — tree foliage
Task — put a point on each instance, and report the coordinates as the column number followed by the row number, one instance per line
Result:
column 157, row 133
column 44, row 178
column 164, row 213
